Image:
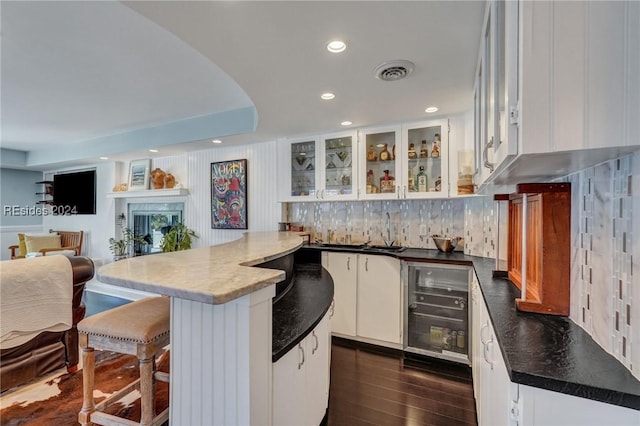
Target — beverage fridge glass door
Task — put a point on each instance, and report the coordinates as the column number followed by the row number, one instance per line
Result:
column 436, row 310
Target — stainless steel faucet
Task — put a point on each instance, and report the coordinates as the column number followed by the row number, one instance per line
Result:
column 388, row 241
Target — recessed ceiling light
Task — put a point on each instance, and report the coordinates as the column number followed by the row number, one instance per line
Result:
column 153, row 150
column 347, row 123
column 104, row 158
column 327, row 96
column 431, row 109
column 216, row 141
column 336, row 46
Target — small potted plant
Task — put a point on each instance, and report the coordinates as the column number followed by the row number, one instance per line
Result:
column 121, row 248
column 177, row 237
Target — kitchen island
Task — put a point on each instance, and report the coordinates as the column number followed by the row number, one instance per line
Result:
column 221, row 324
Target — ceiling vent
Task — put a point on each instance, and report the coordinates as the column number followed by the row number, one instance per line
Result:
column 393, row 70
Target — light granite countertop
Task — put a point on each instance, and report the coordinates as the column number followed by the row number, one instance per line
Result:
column 213, row 275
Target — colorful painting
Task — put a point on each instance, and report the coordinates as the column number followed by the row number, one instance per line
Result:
column 229, row 195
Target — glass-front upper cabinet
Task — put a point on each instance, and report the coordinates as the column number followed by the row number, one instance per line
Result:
column 380, row 164
column 339, row 176
column 424, row 159
column 299, row 171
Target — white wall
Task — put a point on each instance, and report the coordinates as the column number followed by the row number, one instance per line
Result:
column 263, row 210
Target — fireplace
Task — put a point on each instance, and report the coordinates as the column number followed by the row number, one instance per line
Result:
column 152, row 221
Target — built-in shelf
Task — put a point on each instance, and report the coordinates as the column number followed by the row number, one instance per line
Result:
column 173, row 192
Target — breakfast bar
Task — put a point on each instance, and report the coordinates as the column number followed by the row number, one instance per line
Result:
column 221, row 324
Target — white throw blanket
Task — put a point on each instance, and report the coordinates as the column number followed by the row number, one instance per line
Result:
column 36, row 295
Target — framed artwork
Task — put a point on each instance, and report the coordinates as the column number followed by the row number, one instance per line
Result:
column 139, row 174
column 229, row 194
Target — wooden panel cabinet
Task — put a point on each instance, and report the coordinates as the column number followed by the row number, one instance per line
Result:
column 539, row 246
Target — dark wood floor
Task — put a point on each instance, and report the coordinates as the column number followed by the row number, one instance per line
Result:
column 370, row 388
column 97, row 302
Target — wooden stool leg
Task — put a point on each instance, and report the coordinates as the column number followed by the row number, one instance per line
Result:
column 88, row 404
column 147, row 394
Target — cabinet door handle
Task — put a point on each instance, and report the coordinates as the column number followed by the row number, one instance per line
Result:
column 301, row 363
column 485, row 154
column 333, row 308
column 348, row 263
column 315, row 348
column 366, row 264
column 398, row 191
column 486, row 349
column 404, row 193
column 484, row 326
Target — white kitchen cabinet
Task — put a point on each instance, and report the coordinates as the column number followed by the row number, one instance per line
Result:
column 343, row 268
column 380, row 168
column 299, row 169
column 491, row 383
column 367, row 297
column 540, row 407
column 399, row 152
column 496, row 90
column 379, row 299
column 318, row 168
column 417, row 151
column 339, row 176
column 556, row 88
column 502, row 402
column 477, row 349
column 301, row 380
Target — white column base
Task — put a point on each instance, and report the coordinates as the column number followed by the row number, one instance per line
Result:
column 221, row 370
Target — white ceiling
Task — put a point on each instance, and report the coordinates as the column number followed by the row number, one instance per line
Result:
column 83, row 79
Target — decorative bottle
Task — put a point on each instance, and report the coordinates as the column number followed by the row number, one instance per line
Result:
column 424, row 152
column 435, row 150
column 384, row 154
column 412, row 152
column 422, row 180
column 387, row 182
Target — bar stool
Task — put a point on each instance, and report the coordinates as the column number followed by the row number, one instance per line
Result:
column 139, row 328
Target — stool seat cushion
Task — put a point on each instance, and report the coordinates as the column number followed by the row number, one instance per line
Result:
column 142, row 321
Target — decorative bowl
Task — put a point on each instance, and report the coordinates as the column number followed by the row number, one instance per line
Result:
column 445, row 244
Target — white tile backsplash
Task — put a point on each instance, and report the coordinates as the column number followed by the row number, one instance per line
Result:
column 605, row 256
column 605, row 287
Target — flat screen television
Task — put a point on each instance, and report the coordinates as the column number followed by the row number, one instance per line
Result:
column 74, row 193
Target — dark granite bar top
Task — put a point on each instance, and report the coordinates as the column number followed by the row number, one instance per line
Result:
column 543, row 351
column 301, row 308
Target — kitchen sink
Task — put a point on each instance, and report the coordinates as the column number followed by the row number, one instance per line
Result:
column 394, row 249
column 364, row 247
column 341, row 246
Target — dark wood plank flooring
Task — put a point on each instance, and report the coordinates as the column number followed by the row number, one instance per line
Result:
column 98, row 302
column 370, row 388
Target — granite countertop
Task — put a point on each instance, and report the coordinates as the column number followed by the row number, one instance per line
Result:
column 213, row 275
column 301, row 308
column 543, row 351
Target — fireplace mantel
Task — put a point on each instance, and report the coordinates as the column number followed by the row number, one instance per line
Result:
column 173, row 192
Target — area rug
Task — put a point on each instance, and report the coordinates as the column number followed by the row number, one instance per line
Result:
column 113, row 372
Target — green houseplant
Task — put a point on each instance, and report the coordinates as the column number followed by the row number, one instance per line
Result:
column 177, row 238
column 121, row 248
